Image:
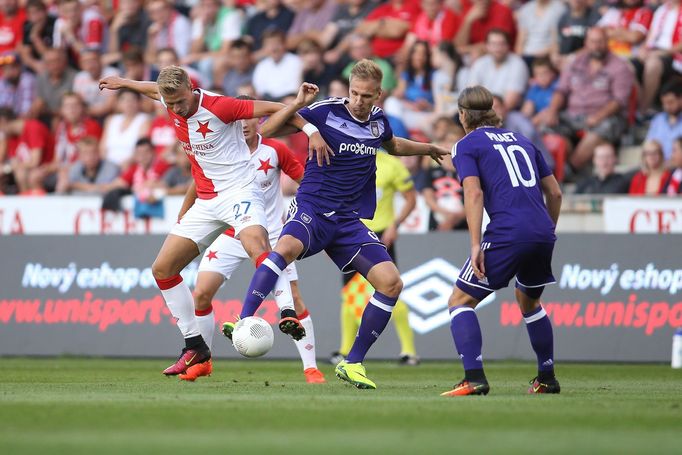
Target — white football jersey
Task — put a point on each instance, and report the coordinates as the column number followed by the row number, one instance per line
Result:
column 269, row 160
column 214, row 142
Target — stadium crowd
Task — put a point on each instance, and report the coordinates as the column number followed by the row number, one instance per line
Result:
column 583, row 79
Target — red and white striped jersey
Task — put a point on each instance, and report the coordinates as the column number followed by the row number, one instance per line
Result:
column 214, row 142
column 269, row 160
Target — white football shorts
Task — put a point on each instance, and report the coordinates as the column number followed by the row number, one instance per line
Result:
column 208, row 218
column 226, row 253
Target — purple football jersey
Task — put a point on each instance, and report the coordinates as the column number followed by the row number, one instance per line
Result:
column 349, row 184
column 510, row 168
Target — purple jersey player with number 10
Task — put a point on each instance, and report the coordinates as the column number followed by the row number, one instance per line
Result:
column 504, row 172
column 325, row 215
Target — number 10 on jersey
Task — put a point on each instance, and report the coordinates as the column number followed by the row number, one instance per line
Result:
column 509, row 157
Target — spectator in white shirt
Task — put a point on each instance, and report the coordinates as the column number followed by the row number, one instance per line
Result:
column 538, row 27
column 500, row 70
column 279, row 74
column 168, row 29
column 100, row 103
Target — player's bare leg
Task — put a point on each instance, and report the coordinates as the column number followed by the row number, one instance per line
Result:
column 174, row 255
column 306, row 345
column 255, row 242
column 466, row 333
column 584, row 151
column 541, row 339
column 205, row 289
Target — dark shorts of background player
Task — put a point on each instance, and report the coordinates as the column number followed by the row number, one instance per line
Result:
column 391, row 251
column 347, row 241
column 610, row 129
column 530, row 263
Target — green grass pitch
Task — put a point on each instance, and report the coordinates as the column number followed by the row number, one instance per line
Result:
column 102, row 406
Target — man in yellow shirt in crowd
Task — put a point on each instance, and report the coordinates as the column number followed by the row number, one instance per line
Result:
column 392, row 176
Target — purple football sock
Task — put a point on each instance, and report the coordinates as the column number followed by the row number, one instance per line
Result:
column 466, row 332
column 262, row 283
column 541, row 338
column 374, row 320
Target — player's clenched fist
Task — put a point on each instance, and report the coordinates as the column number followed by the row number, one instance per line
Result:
column 307, row 93
column 111, row 83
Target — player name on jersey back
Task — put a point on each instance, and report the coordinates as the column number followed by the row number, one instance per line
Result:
column 501, row 137
column 510, row 169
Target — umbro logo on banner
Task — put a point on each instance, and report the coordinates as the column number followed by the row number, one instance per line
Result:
column 426, row 289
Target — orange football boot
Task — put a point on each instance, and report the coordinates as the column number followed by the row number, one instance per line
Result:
column 314, row 376
column 197, row 371
column 467, row 388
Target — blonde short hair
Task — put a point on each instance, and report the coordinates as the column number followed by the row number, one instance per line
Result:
column 171, row 79
column 476, row 103
column 365, row 70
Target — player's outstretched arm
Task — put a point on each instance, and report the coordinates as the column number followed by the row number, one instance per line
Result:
column 287, row 121
column 473, row 208
column 277, row 122
column 399, row 146
column 146, row 88
column 553, row 197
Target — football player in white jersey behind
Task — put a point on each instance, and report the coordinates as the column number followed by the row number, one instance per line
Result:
column 224, row 194
column 270, row 158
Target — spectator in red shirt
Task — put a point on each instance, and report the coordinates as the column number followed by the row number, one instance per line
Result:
column 434, row 24
column 651, row 179
column 169, row 28
column 30, row 147
column 478, row 18
column 162, row 135
column 77, row 30
column 388, row 24
column 72, row 127
column 143, row 179
column 673, row 185
column 661, row 56
column 12, row 19
column 627, row 24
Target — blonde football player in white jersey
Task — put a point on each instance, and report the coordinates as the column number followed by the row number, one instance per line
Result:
column 224, row 193
column 270, row 158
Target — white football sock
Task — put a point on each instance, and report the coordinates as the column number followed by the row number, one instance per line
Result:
column 306, row 345
column 282, row 293
column 181, row 305
column 206, row 324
